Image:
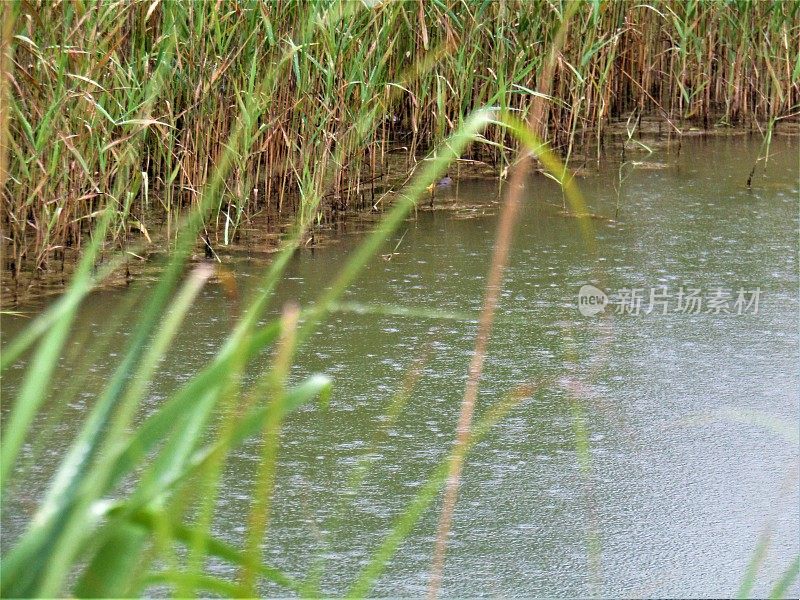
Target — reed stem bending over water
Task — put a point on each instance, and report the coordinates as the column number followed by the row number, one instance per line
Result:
column 86, row 131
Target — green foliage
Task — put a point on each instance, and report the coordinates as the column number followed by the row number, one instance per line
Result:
column 207, row 102
column 114, row 103
column 77, row 527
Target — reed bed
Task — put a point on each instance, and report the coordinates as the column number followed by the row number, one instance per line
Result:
column 201, row 115
column 79, row 98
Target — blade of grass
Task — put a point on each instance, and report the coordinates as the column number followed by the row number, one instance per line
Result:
column 60, row 524
column 45, row 360
column 786, row 580
column 406, row 521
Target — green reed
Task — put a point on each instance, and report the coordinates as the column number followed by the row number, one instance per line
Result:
column 199, row 108
column 78, row 83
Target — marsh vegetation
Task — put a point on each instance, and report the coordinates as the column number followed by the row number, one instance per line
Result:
column 132, row 107
column 168, row 128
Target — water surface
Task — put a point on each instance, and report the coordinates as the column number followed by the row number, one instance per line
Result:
column 691, row 419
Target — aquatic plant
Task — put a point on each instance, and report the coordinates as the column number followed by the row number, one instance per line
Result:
column 99, row 540
column 132, row 503
column 88, row 86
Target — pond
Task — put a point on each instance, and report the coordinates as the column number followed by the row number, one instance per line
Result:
column 690, row 410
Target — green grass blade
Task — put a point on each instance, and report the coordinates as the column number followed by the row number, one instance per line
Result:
column 749, row 578
column 37, row 377
column 422, row 500
column 111, row 572
column 786, row 580
column 61, row 521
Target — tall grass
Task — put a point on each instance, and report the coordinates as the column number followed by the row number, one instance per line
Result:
column 87, row 538
column 277, row 97
column 79, row 97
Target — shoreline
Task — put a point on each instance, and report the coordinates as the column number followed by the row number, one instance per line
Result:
column 261, row 236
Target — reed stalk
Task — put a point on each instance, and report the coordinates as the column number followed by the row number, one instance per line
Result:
column 77, row 93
